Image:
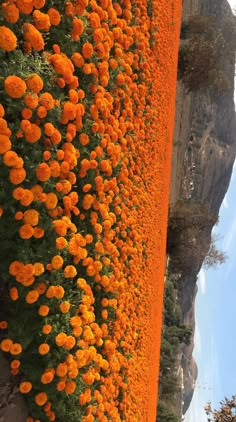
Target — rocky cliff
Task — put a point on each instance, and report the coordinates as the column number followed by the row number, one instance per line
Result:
column 203, row 156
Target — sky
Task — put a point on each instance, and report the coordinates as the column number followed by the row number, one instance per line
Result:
column 215, row 333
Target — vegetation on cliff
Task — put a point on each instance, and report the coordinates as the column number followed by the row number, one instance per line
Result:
column 204, row 47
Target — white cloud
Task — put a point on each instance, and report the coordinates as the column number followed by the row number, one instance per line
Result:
column 202, row 281
column 234, row 168
column 225, row 202
column 232, row 3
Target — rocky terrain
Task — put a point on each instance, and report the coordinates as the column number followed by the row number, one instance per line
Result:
column 203, row 156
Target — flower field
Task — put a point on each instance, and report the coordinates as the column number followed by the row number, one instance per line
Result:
column 87, row 94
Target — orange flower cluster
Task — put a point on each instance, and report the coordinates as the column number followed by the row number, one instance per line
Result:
column 85, row 166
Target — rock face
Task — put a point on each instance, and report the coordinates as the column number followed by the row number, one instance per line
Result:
column 203, row 156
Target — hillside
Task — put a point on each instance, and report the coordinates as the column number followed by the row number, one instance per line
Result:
column 203, row 156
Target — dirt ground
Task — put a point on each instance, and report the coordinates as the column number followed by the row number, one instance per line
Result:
column 12, row 406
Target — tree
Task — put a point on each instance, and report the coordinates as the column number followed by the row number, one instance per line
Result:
column 203, row 49
column 165, row 413
column 226, row 413
column 214, row 257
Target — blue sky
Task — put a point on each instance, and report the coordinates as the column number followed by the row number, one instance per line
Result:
column 215, row 313
column 215, row 335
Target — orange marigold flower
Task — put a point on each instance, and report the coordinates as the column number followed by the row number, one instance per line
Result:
column 61, row 369
column 6, row 345
column 41, row 112
column 54, row 16
column 39, row 4
column 69, row 9
column 77, row 27
column 15, row 363
column 98, row 35
column 59, row 292
column 32, row 296
column 10, row 158
column 41, row 21
column 15, row 349
column 87, row 50
column 57, row 262
column 36, row 191
column 38, row 232
column 38, row 268
column 64, row 307
column 31, row 100
column 47, row 100
column 61, row 385
column 3, row 127
column 31, row 217
column 25, row 124
column 33, row 36
column 47, row 328
column 25, row 387
column 18, row 193
column 69, row 342
column 56, row 137
column 41, row 398
column 43, row 310
column 25, row 6
column 26, row 198
column 26, row 231
column 26, row 113
column 2, row 111
column 17, row 176
column 94, row 20
column 43, row 349
column 15, row 267
column 88, row 201
column 60, row 227
column 70, row 387
column 34, row 83
column 48, row 376
column 61, row 243
column 84, row 139
column 43, row 172
column 70, row 271
column 77, row 59
column 3, row 325
column 10, row 12
column 5, row 144
column 8, row 40
column 49, row 129
column 51, row 201
column 60, row 339
column 19, row 215
column 13, row 293
column 14, row 86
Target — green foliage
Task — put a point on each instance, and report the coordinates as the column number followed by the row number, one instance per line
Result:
column 165, row 413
